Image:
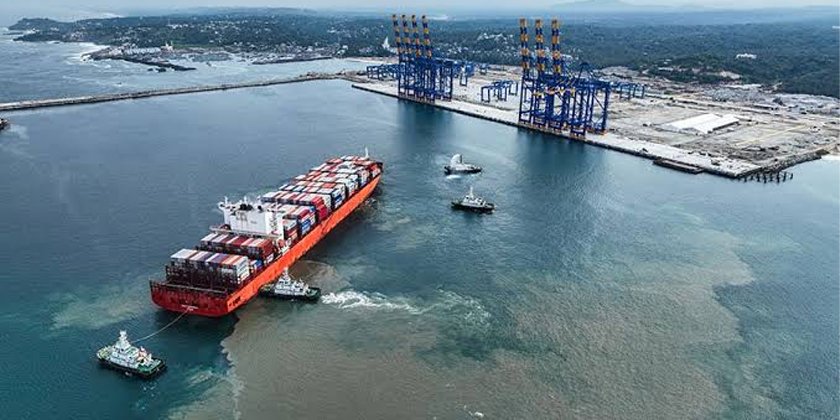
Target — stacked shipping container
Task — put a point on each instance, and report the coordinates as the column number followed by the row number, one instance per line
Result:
column 225, row 261
column 336, row 193
column 321, row 203
column 290, row 230
column 359, row 170
column 303, row 217
column 253, row 248
column 208, row 269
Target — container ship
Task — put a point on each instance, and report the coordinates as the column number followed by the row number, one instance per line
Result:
column 260, row 239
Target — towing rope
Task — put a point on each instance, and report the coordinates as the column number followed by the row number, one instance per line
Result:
column 164, row 327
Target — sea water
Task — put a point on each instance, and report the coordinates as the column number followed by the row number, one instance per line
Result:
column 602, row 287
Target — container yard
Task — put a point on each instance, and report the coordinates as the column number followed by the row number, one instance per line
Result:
column 729, row 130
column 259, row 240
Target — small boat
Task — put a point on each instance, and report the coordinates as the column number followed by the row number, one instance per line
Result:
column 457, row 166
column 124, row 357
column 4, row 123
column 287, row 288
column 471, row 202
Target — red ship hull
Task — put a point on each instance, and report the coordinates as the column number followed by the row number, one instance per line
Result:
column 213, row 303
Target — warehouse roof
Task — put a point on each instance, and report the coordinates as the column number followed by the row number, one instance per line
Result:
column 704, row 123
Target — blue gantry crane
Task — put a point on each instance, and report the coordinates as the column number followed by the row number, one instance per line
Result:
column 552, row 95
column 629, row 90
column 421, row 76
column 383, row 71
column 559, row 99
column 499, row 89
column 463, row 71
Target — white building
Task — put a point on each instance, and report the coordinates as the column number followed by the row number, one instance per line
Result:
column 702, row 124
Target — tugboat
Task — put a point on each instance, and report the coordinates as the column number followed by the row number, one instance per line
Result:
column 472, row 203
column 4, row 123
column 287, row 288
column 457, row 166
column 124, row 357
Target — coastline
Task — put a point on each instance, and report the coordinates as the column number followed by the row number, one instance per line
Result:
column 90, row 47
column 87, row 48
column 366, row 60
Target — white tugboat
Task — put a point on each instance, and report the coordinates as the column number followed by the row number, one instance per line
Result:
column 287, row 288
column 471, row 202
column 457, row 166
column 122, row 356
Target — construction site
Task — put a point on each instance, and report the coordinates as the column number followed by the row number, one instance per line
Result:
column 736, row 131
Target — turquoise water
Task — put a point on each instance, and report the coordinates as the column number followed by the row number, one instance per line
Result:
column 603, row 287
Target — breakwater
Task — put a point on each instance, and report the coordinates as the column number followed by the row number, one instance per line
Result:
column 285, row 60
column 79, row 100
column 149, row 62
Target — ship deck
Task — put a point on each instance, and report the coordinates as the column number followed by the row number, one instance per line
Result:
column 216, row 303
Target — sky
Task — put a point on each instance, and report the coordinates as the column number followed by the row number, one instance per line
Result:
column 12, row 10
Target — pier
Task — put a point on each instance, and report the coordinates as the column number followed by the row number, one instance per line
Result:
column 679, row 166
column 148, row 62
column 79, row 100
column 730, row 168
column 576, row 104
column 662, row 154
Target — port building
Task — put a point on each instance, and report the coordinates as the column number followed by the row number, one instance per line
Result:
column 703, row 124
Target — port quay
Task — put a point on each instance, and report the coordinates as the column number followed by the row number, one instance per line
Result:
column 680, row 130
column 730, row 168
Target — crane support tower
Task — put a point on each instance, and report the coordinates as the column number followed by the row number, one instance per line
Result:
column 421, row 76
column 556, row 98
